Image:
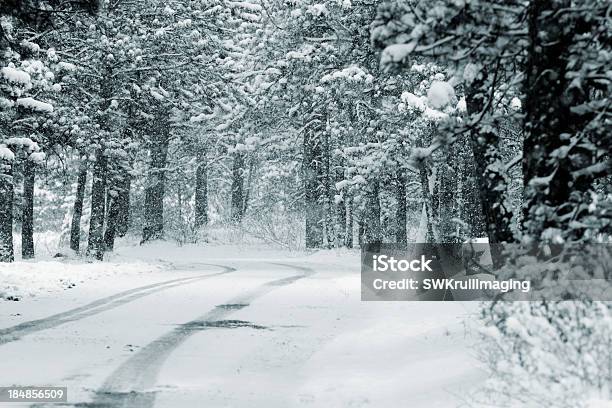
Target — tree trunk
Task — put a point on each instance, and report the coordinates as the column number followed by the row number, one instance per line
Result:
column 348, row 226
column 201, row 195
column 325, row 183
column 6, row 211
column 27, row 223
column 77, row 212
column 111, row 223
column 95, row 240
column 116, row 202
column 552, row 196
column 361, row 231
column 248, row 187
column 237, row 187
column 473, row 214
column 314, row 205
column 447, row 188
column 431, row 234
column 373, row 231
column 95, row 244
column 340, row 224
column 123, row 204
column 112, row 219
column 401, row 233
column 492, row 183
column 156, row 183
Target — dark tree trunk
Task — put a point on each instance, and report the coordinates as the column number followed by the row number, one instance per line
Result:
column 201, row 195
column 342, row 205
column 116, row 202
column 373, row 230
column 401, row 234
column 77, row 212
column 95, row 243
column 6, row 211
column 473, row 214
column 551, row 192
column 361, row 232
column 248, row 187
column 447, row 188
column 114, row 206
column 314, row 204
column 492, row 183
column 340, row 227
column 123, row 204
column 348, row 230
column 156, row 183
column 100, row 174
column 130, row 131
column 27, row 222
column 237, row 187
column 325, row 181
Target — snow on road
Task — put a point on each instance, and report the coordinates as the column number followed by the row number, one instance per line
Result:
column 238, row 327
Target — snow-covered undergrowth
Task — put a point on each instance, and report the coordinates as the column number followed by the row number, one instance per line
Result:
column 22, row 280
column 285, row 232
column 46, row 244
column 215, row 250
column 548, row 354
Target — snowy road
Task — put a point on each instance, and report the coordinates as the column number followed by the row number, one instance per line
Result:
column 261, row 331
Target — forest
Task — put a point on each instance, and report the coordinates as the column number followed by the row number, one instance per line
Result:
column 348, row 123
column 319, row 124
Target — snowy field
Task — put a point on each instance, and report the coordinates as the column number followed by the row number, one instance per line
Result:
column 168, row 326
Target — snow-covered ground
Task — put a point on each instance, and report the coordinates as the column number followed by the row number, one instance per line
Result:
column 22, row 280
column 229, row 326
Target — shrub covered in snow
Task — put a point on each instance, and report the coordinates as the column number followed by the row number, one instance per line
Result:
column 440, row 94
column 547, row 354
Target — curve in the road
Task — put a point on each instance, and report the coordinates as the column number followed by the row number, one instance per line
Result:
column 140, row 371
column 16, row 332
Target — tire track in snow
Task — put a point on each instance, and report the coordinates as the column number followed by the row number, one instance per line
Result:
column 16, row 332
column 140, row 372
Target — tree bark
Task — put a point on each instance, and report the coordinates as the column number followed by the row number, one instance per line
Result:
column 114, row 206
column 312, row 171
column 27, row 222
column 551, row 192
column 6, row 211
column 123, row 204
column 373, row 231
column 95, row 243
column 116, row 202
column 237, row 187
column 401, row 234
column 492, row 183
column 473, row 214
column 201, row 195
column 348, row 230
column 361, row 231
column 156, row 183
column 447, row 188
column 431, row 234
column 77, row 212
column 340, row 224
column 95, row 240
column 248, row 187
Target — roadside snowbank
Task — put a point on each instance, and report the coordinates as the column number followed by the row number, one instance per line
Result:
column 19, row 280
column 172, row 252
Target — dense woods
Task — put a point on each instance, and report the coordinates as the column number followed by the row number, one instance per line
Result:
column 351, row 122
column 309, row 125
